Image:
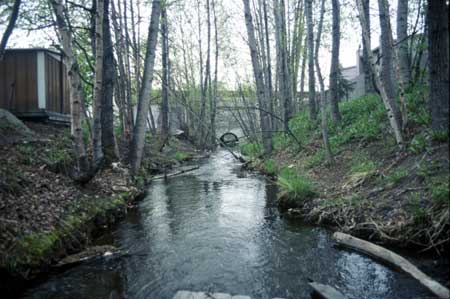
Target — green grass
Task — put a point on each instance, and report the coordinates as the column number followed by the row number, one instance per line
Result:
column 362, row 163
column 418, row 144
column 34, row 248
column 251, row 149
column 180, row 156
column 270, row 167
column 315, row 159
column 397, row 176
column 296, row 186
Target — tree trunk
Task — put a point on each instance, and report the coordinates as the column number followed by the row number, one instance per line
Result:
column 326, row 141
column 268, row 70
column 122, row 86
column 384, row 95
column 76, row 92
column 165, row 74
column 438, row 63
column 311, row 79
column 283, row 68
column 302, row 73
column 404, row 60
column 137, row 145
column 258, row 74
column 368, row 75
column 336, row 35
column 387, row 57
column 213, row 104
column 9, row 27
column 109, row 145
column 97, row 98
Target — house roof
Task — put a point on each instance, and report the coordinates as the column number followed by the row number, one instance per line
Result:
column 55, row 52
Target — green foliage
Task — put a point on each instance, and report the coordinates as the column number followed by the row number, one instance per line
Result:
column 315, row 160
column 270, row 167
column 440, row 194
column 27, row 154
column 352, row 201
column 362, row 118
column 251, row 149
column 418, row 144
column 295, row 185
column 416, row 105
column 302, row 127
column 180, row 156
column 419, row 213
column 362, row 163
column 440, row 136
column 397, row 176
column 440, row 189
column 281, row 141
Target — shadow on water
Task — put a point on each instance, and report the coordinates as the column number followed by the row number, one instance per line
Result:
column 209, row 230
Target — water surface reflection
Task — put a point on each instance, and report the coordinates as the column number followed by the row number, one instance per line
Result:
column 209, row 230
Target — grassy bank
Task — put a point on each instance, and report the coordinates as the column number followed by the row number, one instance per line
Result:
column 373, row 189
column 44, row 214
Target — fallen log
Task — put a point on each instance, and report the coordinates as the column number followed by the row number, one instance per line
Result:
column 326, row 291
column 393, row 259
column 88, row 254
column 164, row 176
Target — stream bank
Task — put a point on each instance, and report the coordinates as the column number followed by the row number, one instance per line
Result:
column 44, row 214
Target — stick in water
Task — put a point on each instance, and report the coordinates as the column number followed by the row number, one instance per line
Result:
column 393, row 259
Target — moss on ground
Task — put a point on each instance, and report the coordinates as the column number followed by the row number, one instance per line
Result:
column 37, row 249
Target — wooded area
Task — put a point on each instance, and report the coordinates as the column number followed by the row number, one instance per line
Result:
column 362, row 148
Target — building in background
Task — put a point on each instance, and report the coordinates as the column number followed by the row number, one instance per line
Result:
column 33, row 84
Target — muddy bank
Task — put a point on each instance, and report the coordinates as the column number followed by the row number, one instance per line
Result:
column 44, row 214
column 372, row 192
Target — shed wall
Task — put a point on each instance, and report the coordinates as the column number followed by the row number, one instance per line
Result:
column 18, row 82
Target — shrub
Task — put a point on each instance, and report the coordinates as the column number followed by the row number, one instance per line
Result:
column 281, row 141
column 418, row 144
column 362, row 164
column 315, row 160
column 251, row 149
column 270, row 167
column 416, row 105
column 397, row 176
column 440, row 194
column 440, row 136
column 294, row 185
column 180, row 156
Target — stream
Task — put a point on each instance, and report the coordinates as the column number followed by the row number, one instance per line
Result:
column 217, row 229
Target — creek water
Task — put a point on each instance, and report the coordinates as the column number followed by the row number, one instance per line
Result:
column 217, row 229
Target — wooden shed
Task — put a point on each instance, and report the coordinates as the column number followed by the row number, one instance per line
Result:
column 33, row 84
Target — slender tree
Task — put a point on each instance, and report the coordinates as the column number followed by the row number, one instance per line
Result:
column 9, row 27
column 284, row 81
column 387, row 72
column 311, row 75
column 369, row 85
column 438, row 63
column 76, row 92
column 395, row 125
column 109, row 145
column 404, row 60
column 259, row 79
column 334, row 70
column 138, row 142
column 213, row 100
column 165, row 73
column 97, row 107
column 322, row 102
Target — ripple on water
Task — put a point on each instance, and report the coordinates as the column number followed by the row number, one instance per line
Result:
column 209, row 230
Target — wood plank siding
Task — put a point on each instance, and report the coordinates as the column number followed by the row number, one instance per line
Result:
column 18, row 82
column 34, row 81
